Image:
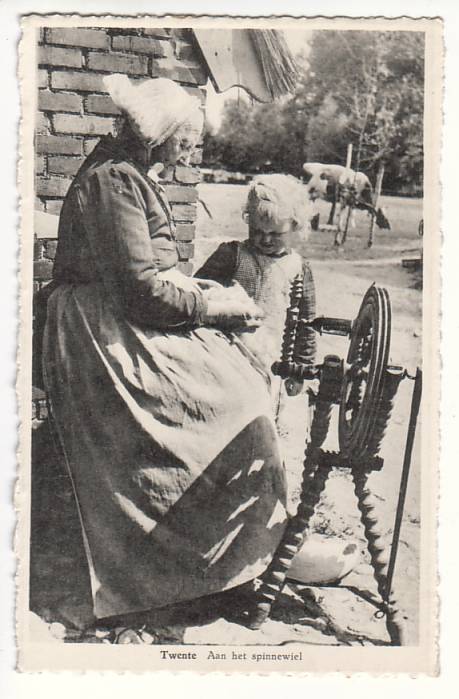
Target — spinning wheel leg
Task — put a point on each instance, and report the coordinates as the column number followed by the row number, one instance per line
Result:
column 274, row 577
column 377, row 551
column 395, row 624
column 313, row 484
column 392, row 377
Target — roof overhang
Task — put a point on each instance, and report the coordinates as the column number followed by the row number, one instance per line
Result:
column 241, row 58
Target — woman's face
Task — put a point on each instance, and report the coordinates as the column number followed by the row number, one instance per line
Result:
column 177, row 150
column 180, row 146
column 269, row 237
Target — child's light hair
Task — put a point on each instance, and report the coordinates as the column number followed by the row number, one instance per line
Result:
column 278, row 199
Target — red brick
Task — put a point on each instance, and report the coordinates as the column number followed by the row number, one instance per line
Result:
column 46, row 227
column 38, row 249
column 185, row 251
column 165, row 68
column 63, row 145
column 51, row 246
column 52, row 187
column 53, row 206
column 41, row 123
column 185, row 231
column 184, row 212
column 167, row 174
column 187, row 175
column 90, row 144
column 42, row 270
column 54, row 56
column 181, row 195
column 64, row 165
column 186, row 268
column 42, row 78
column 38, row 393
column 87, row 38
column 139, row 44
column 40, row 164
column 185, row 52
column 85, row 125
column 59, row 102
column 83, row 82
column 157, row 31
column 42, row 410
column 100, row 104
column 181, row 33
column 112, row 63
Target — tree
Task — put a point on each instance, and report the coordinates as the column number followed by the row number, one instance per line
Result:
column 327, row 133
column 234, row 134
column 212, row 146
column 374, row 81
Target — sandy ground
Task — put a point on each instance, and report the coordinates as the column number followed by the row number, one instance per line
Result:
column 327, row 615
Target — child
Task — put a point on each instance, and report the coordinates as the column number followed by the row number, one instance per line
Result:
column 265, row 265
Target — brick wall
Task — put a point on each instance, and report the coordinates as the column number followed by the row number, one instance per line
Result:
column 74, row 111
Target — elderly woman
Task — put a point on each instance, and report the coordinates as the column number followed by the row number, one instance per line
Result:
column 165, row 424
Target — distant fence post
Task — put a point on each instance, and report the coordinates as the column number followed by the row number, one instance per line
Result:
column 376, row 195
column 349, row 156
column 349, row 211
column 378, row 186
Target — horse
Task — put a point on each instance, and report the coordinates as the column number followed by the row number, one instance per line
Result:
column 345, row 188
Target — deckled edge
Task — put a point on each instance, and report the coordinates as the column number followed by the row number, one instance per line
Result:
column 25, row 287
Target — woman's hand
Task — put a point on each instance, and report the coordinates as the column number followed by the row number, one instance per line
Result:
column 233, row 315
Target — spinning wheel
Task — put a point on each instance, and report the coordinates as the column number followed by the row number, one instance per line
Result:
column 364, row 387
column 362, row 420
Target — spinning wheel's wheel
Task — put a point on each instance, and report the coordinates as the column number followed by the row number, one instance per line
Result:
column 361, row 423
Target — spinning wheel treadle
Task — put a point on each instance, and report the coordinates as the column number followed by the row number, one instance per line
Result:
column 364, row 387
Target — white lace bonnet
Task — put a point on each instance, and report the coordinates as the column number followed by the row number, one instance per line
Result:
column 156, row 107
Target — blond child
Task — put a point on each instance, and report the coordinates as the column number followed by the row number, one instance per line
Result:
column 265, row 264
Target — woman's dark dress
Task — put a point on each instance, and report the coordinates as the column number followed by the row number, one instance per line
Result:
column 166, row 426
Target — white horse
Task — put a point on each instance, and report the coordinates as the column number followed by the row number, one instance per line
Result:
column 345, row 188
